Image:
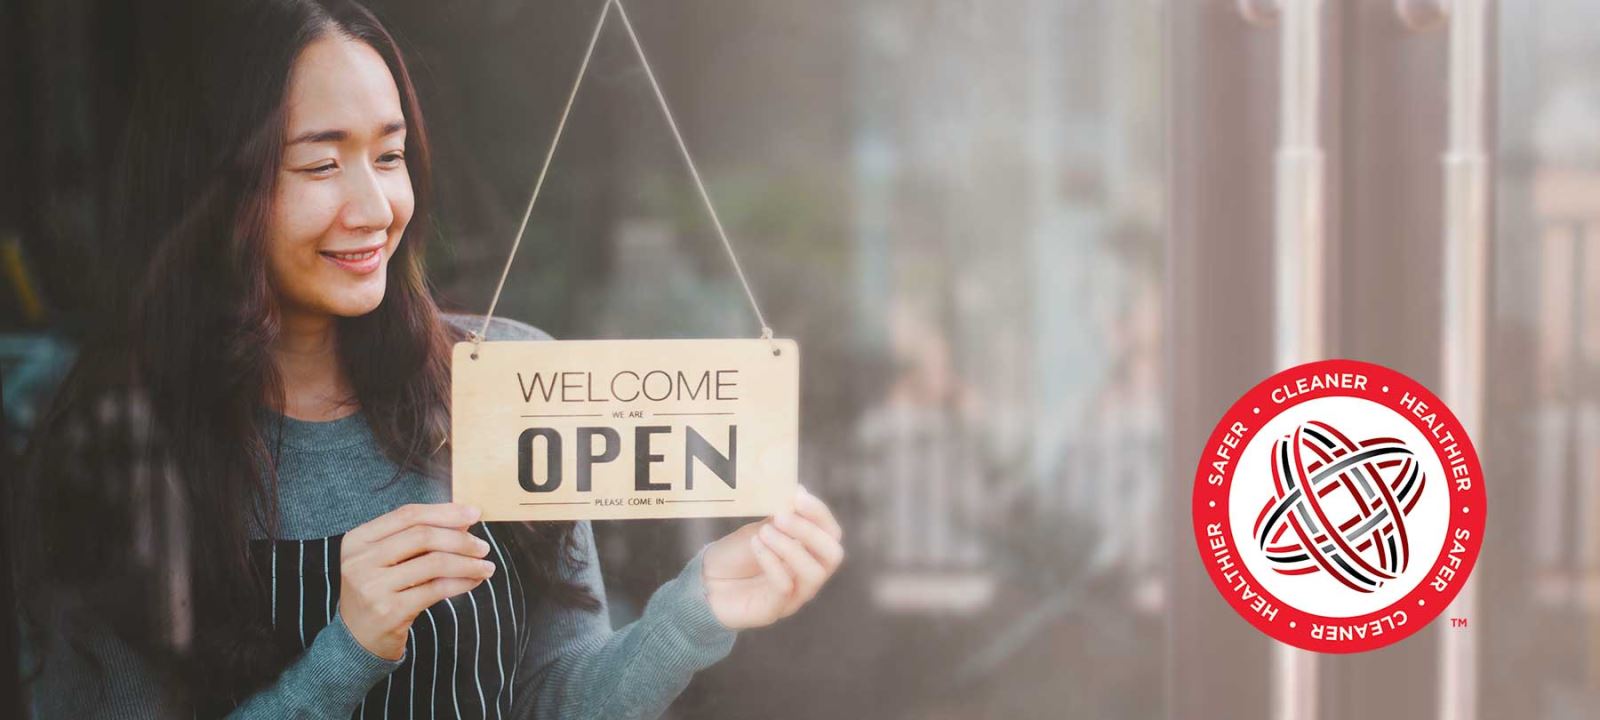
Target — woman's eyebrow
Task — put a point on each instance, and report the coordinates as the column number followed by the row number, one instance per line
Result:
column 321, row 136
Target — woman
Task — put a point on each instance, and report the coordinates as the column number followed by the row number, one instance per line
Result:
column 237, row 503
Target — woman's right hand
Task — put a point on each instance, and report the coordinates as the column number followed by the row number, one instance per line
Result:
column 402, row 562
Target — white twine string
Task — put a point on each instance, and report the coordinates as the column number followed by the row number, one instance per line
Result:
column 594, row 37
column 683, row 149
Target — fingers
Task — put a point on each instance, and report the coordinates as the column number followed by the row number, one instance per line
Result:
column 435, row 565
column 812, row 508
column 821, row 544
column 419, row 539
column 423, row 596
column 806, row 569
column 772, row 567
column 450, row 515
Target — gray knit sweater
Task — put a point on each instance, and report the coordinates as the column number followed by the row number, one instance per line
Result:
column 493, row 652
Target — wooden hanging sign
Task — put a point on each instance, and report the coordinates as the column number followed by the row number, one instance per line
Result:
column 611, row 429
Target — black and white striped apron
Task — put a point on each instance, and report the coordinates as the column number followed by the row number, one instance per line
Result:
column 462, row 654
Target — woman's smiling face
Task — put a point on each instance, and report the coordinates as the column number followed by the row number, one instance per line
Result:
column 343, row 194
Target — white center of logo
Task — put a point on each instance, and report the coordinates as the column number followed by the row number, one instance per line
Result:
column 1335, row 522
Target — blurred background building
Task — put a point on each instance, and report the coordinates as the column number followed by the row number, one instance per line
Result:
column 1027, row 247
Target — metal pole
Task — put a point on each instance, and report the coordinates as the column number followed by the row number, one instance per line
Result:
column 1298, row 233
column 1466, row 243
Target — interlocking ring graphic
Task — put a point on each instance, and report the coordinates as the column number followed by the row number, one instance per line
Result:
column 1340, row 506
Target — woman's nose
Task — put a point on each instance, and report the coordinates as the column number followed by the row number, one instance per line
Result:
column 367, row 207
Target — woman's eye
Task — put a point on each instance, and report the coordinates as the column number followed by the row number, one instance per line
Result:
column 322, row 168
column 393, row 157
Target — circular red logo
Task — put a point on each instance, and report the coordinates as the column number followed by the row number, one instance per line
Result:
column 1339, row 506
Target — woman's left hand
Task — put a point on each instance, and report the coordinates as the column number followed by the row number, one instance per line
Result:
column 768, row 569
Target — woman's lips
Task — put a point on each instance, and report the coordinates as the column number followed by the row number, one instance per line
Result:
column 359, row 263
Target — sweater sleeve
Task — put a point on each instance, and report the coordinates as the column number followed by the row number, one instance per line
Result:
column 578, row 667
column 328, row 680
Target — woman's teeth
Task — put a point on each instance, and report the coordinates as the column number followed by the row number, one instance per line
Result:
column 353, row 257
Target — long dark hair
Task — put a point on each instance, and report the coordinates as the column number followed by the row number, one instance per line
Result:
column 144, row 480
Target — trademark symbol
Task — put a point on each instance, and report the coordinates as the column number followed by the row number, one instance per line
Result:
column 1458, row 622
